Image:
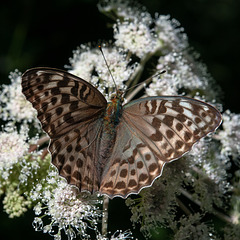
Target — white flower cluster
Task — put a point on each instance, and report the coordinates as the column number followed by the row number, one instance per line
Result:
column 12, row 150
column 82, row 63
column 215, row 171
column 140, row 33
column 29, row 168
column 67, row 210
column 230, row 136
column 14, row 203
column 183, row 76
column 89, row 64
column 170, row 35
column 135, row 36
column 13, row 105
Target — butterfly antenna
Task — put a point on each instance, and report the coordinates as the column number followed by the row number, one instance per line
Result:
column 147, row 80
column 100, row 48
column 138, row 87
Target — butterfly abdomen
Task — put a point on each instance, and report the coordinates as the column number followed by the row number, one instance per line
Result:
column 111, row 120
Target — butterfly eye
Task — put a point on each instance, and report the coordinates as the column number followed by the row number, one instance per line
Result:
column 113, row 96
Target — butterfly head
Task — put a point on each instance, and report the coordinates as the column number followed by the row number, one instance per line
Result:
column 118, row 96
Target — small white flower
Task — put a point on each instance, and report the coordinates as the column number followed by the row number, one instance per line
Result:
column 199, row 150
column 38, row 187
column 47, row 194
column 118, row 235
column 47, row 228
column 38, row 209
column 37, row 224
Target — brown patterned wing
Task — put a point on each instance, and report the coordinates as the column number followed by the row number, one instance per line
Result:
column 70, row 111
column 152, row 132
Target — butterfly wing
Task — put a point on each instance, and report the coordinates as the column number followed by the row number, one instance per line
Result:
column 152, row 132
column 70, row 111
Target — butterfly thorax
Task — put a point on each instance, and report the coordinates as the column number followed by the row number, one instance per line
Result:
column 113, row 113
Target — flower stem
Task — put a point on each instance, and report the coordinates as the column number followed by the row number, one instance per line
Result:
column 220, row 215
column 41, row 141
column 183, row 207
column 105, row 215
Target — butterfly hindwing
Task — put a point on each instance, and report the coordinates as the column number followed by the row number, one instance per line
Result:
column 75, row 154
column 132, row 165
column 70, row 111
column 153, row 131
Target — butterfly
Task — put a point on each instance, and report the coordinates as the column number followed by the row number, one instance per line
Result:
column 109, row 147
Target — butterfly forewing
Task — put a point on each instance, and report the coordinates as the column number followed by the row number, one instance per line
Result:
column 154, row 131
column 69, row 110
column 173, row 124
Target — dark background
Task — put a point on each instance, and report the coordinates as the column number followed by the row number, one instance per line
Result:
column 44, row 33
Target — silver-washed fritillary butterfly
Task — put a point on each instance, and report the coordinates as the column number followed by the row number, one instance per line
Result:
column 106, row 147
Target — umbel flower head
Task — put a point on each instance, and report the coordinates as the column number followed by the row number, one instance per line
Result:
column 189, row 192
column 88, row 63
column 65, row 208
